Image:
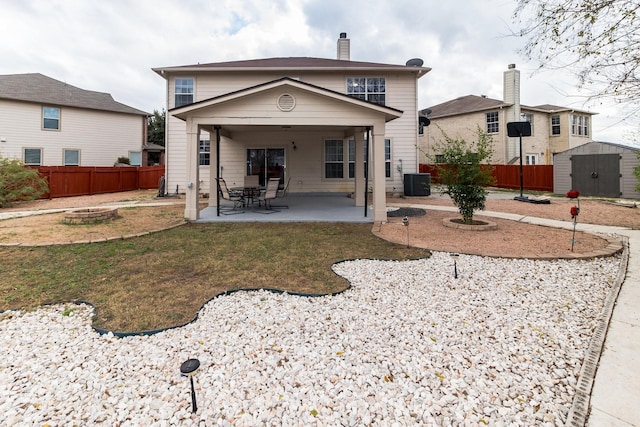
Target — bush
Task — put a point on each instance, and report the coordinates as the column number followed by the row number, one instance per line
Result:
column 123, row 160
column 19, row 183
column 462, row 172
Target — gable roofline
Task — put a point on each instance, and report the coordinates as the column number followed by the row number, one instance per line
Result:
column 40, row 89
column 389, row 112
column 290, row 64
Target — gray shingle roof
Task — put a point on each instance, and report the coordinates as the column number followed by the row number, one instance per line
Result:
column 41, row 89
column 472, row 103
column 464, row 105
column 292, row 63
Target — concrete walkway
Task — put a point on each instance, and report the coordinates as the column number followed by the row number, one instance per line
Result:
column 615, row 394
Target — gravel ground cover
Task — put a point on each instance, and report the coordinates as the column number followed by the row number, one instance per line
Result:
column 407, row 344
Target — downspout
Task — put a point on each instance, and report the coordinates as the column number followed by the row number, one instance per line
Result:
column 366, row 171
column 217, row 128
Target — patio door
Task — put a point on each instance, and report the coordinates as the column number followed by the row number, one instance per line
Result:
column 266, row 163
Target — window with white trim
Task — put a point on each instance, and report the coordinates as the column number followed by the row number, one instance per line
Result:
column 493, row 125
column 183, row 92
column 333, row 158
column 387, row 158
column 205, row 152
column 71, row 157
column 555, row 125
column 32, row 156
column 579, row 125
column 372, row 89
column 50, row 118
column 531, row 159
column 352, row 158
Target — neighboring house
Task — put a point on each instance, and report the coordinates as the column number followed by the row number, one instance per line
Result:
column 46, row 122
column 554, row 129
column 301, row 119
column 600, row 169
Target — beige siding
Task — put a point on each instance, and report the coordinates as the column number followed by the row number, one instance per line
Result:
column 306, row 163
column 100, row 136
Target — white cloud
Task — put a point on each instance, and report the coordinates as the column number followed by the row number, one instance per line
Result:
column 111, row 46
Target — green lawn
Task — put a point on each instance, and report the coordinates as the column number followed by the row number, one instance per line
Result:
column 161, row 280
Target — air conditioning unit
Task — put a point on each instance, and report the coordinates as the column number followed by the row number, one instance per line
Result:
column 417, row 184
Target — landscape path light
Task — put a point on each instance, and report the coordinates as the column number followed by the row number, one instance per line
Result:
column 189, row 369
column 455, row 265
column 405, row 222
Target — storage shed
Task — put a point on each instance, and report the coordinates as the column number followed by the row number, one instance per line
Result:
column 599, row 169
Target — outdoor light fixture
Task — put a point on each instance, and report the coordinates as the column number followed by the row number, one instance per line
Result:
column 189, row 369
column 293, row 143
column 405, row 222
column 455, row 265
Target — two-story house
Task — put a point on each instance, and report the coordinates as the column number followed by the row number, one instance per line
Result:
column 46, row 122
column 553, row 129
column 305, row 120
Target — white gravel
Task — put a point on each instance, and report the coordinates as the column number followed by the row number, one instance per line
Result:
column 407, row 345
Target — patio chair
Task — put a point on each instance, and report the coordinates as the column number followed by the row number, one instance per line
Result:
column 251, row 181
column 237, row 198
column 270, row 193
column 283, row 192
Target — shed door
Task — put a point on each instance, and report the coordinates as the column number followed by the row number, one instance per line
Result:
column 596, row 174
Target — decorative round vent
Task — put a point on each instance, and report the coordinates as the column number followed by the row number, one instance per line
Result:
column 286, row 102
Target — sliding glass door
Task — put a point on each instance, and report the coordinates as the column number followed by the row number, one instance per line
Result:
column 266, row 163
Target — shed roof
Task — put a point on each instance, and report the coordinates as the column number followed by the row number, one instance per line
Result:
column 38, row 88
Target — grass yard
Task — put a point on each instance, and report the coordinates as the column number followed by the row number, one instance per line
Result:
column 162, row 279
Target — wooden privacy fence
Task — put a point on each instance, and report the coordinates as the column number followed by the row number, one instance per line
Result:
column 534, row 177
column 86, row 180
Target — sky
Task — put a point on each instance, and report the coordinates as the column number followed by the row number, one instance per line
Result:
column 112, row 45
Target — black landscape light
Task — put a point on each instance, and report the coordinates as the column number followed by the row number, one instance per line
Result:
column 455, row 265
column 188, row 369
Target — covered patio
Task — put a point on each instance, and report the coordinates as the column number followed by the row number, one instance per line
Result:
column 295, row 116
column 301, row 207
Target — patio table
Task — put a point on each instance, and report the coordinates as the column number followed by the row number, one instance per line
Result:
column 249, row 193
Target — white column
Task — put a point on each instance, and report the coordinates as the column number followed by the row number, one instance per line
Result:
column 379, row 182
column 359, row 169
column 193, row 176
column 213, row 156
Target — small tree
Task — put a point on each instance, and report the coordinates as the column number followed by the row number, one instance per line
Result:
column 156, row 126
column 19, row 183
column 462, row 173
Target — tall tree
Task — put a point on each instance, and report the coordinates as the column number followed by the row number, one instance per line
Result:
column 155, row 127
column 596, row 39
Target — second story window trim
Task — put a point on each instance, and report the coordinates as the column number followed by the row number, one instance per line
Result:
column 184, row 92
column 579, row 125
column 555, row 125
column 493, row 124
column 372, row 89
column 50, row 118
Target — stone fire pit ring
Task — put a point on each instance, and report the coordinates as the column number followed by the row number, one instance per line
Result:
column 90, row 215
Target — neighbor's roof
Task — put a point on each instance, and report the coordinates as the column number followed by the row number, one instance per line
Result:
column 292, row 64
column 41, row 89
column 472, row 104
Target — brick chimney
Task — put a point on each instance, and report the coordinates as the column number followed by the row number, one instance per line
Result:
column 344, row 47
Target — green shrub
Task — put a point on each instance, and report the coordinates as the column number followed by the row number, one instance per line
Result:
column 636, row 172
column 19, row 182
column 123, row 160
column 464, row 171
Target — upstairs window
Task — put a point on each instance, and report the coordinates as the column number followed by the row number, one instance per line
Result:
column 51, row 118
column 184, row 92
column 555, row 125
column 372, row 89
column 580, row 125
column 493, row 126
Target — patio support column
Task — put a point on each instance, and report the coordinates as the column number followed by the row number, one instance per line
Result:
column 193, row 174
column 379, row 181
column 214, row 170
column 359, row 168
